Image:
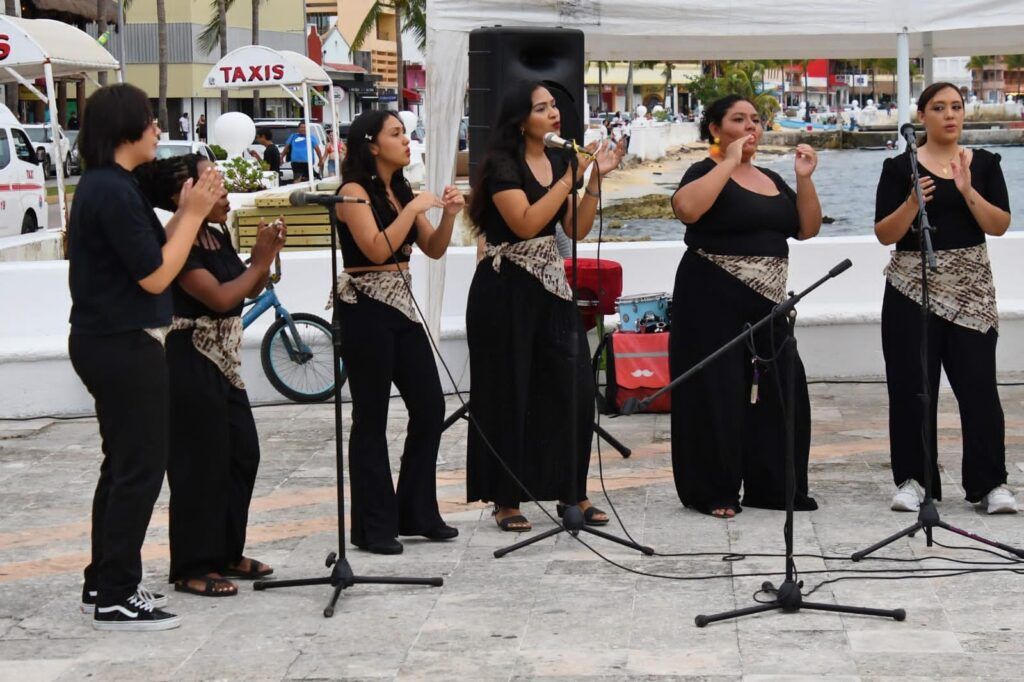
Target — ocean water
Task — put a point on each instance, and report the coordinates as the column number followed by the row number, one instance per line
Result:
column 846, row 182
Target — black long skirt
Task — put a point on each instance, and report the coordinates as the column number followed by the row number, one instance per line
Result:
column 522, row 365
column 723, row 438
column 212, row 465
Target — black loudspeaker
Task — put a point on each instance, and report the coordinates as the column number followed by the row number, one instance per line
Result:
column 500, row 56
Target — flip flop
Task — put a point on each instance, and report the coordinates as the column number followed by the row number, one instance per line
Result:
column 588, row 515
column 257, row 569
column 208, row 587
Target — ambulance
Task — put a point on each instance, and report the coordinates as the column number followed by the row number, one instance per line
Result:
column 23, row 206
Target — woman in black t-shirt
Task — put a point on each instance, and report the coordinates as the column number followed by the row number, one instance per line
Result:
column 382, row 339
column 966, row 201
column 520, row 320
column 121, row 263
column 728, row 420
column 214, row 447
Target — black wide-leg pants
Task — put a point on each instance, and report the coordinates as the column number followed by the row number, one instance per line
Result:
column 720, row 439
column 126, row 374
column 969, row 358
column 380, row 345
column 522, row 366
column 214, row 458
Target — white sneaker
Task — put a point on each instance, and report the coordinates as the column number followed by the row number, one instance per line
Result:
column 1000, row 501
column 909, row 497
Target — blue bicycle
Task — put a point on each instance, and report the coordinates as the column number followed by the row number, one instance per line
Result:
column 296, row 351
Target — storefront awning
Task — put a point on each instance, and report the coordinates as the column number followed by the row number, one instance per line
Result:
column 411, row 96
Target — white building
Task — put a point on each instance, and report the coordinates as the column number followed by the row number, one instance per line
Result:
column 952, row 70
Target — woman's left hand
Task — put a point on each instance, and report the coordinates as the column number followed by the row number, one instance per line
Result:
column 806, row 160
column 453, row 200
column 960, row 166
column 609, row 156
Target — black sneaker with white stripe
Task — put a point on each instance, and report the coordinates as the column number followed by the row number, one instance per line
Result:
column 136, row 613
column 89, row 599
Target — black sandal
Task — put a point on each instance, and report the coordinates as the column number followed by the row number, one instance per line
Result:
column 588, row 515
column 208, row 587
column 508, row 523
column 257, row 570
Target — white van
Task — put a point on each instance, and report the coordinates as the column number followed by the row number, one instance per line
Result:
column 23, row 206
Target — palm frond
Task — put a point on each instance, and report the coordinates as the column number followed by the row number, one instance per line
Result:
column 414, row 21
column 209, row 38
column 369, row 24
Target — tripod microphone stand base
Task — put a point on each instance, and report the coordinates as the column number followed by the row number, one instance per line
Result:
column 572, row 523
column 341, row 578
column 789, row 599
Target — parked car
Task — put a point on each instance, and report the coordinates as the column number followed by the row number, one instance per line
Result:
column 22, row 190
column 76, row 160
column 170, row 148
column 281, row 129
column 42, row 139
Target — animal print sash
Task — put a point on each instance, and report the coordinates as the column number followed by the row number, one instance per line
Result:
column 219, row 340
column 539, row 257
column 962, row 291
column 390, row 287
column 766, row 275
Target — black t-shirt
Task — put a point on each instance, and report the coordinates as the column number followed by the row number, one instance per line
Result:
column 272, row 155
column 223, row 263
column 353, row 257
column 948, row 213
column 513, row 173
column 114, row 240
column 742, row 222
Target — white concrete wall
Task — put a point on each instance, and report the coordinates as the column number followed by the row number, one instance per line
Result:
column 839, row 324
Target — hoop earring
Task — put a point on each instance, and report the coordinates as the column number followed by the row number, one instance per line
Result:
column 522, row 131
column 715, row 149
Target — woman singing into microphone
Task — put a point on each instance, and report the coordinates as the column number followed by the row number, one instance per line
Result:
column 728, row 421
column 520, row 317
column 966, row 198
column 382, row 340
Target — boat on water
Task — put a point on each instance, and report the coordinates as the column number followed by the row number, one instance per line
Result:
column 800, row 124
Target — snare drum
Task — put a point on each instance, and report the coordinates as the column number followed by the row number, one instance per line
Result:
column 639, row 311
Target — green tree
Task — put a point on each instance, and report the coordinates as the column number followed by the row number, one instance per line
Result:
column 602, row 68
column 410, row 17
column 1015, row 62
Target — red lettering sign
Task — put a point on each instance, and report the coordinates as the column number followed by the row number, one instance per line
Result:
column 257, row 73
column 277, row 71
column 5, row 46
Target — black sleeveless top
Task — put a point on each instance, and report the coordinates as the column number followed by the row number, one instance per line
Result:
column 223, row 263
column 513, row 173
column 955, row 225
column 353, row 257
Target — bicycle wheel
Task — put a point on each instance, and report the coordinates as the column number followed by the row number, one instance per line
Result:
column 302, row 377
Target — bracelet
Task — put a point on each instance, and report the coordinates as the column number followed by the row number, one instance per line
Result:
column 596, row 195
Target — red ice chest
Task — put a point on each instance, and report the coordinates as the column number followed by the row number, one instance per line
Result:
column 637, row 367
column 599, row 283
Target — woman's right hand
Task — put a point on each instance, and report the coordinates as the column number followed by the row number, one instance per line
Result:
column 927, row 190
column 267, row 246
column 197, row 199
column 734, row 152
column 423, row 202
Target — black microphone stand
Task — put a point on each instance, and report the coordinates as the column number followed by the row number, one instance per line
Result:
column 788, row 595
column 927, row 516
column 341, row 576
column 573, row 521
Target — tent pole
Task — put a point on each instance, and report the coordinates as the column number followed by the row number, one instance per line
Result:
column 902, row 82
column 928, row 54
column 309, row 135
column 58, row 160
column 337, row 130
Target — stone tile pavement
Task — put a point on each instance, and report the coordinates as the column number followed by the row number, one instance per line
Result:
column 552, row 611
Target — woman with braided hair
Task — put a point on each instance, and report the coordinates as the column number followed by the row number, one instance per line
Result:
column 214, row 448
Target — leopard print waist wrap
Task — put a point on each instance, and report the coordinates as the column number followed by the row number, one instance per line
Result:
column 961, row 291
column 219, row 340
column 539, row 258
column 766, row 275
column 390, row 287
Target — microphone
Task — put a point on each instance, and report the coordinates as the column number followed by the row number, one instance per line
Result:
column 555, row 142
column 907, row 133
column 300, row 198
column 842, row 267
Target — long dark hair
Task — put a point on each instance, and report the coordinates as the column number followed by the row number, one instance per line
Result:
column 161, row 180
column 926, row 96
column 113, row 115
column 716, row 111
column 505, row 144
column 360, row 165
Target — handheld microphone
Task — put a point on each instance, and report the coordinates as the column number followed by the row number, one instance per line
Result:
column 907, row 133
column 300, row 198
column 555, row 142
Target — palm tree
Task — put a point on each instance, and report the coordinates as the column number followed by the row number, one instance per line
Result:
column 978, row 63
column 257, row 109
column 101, row 28
column 414, row 13
column 739, row 79
column 215, row 34
column 11, row 89
column 1015, row 62
column 602, row 67
column 162, row 58
column 667, row 73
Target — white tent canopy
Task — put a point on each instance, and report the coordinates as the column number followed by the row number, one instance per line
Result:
column 256, row 66
column 667, row 30
column 41, row 48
